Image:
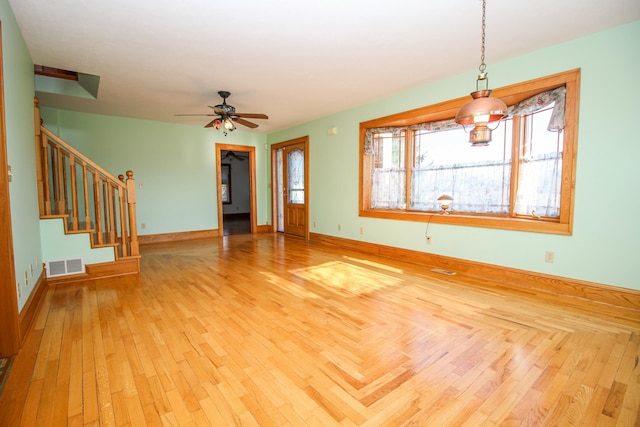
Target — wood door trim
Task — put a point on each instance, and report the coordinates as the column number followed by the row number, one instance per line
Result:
column 9, row 329
column 274, row 191
column 251, row 151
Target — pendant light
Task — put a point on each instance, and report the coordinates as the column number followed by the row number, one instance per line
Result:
column 482, row 109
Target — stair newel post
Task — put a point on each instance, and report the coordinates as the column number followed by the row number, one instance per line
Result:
column 124, row 238
column 131, row 202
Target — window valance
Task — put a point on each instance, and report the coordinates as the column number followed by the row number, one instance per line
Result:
column 522, row 108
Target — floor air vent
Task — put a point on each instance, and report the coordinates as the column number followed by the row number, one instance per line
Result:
column 442, row 271
column 65, row 267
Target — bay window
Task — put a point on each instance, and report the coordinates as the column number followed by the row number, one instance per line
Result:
column 524, row 179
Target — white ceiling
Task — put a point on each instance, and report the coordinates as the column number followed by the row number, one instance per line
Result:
column 293, row 60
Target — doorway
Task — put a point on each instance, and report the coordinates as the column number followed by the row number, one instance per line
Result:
column 291, row 186
column 236, row 189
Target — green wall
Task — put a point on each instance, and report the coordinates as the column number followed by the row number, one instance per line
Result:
column 174, row 165
column 605, row 245
column 56, row 245
column 18, row 99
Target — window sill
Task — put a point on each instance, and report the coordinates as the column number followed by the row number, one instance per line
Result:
column 503, row 223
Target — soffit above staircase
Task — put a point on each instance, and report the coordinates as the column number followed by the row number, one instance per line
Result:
column 49, row 80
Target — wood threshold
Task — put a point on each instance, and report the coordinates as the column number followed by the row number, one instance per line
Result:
column 595, row 292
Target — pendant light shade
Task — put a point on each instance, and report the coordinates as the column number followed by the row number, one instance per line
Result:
column 482, row 109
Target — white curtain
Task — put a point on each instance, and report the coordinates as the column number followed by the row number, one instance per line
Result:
column 388, row 188
column 474, row 187
column 539, row 186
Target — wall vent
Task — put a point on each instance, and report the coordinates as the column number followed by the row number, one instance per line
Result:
column 65, row 267
column 443, row 271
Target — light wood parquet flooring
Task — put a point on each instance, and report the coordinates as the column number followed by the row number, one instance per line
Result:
column 263, row 330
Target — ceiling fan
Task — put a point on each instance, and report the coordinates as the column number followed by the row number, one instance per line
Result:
column 230, row 155
column 224, row 115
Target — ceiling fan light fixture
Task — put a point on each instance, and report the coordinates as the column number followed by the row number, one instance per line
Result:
column 482, row 109
column 225, row 116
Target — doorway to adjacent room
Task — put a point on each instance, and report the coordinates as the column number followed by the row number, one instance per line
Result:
column 236, row 189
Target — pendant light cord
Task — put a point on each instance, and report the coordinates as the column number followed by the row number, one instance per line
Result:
column 483, row 66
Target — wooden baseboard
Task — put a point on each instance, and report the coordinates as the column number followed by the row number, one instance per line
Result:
column 30, row 308
column 177, row 237
column 265, row 228
column 191, row 235
column 596, row 292
column 122, row 267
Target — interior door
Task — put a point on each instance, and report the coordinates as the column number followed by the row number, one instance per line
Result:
column 294, row 176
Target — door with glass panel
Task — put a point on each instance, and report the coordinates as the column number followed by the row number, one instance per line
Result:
column 293, row 180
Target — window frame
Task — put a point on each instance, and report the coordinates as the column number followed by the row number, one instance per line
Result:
column 447, row 110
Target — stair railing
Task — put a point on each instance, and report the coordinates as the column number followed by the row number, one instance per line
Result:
column 85, row 195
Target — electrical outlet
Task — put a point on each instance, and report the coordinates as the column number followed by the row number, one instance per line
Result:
column 315, row 224
column 339, row 227
column 143, row 226
column 361, row 230
column 549, row 256
column 30, row 270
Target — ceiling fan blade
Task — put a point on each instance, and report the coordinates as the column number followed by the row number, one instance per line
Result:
column 244, row 122
column 251, row 115
column 178, row 115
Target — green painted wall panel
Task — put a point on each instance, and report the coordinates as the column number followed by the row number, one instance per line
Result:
column 57, row 246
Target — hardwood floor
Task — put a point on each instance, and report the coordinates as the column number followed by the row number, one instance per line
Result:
column 273, row 331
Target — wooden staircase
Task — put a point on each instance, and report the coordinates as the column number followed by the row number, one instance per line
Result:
column 88, row 199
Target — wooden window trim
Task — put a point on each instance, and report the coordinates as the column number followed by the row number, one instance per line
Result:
column 447, row 110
